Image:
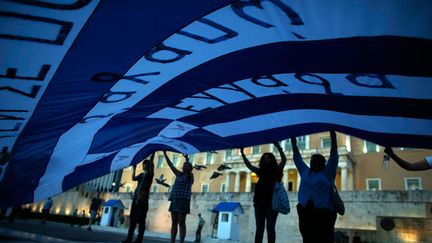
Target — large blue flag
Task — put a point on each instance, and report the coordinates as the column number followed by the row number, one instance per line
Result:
column 89, row 87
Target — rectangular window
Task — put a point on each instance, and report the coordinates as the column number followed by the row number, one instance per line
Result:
column 154, row 188
column 208, row 159
column 386, row 161
column 204, row 187
column 175, row 160
column 325, row 142
column 228, row 154
column 160, row 159
column 370, row 147
column 287, row 145
column 301, row 143
column 413, row 183
column 223, row 187
column 256, row 149
column 373, row 184
column 225, row 217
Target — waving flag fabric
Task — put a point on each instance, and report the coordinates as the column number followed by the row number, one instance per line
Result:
column 89, row 87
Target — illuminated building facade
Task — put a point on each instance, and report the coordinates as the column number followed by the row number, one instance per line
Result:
column 361, row 167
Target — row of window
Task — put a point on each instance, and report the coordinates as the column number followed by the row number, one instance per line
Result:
column 302, row 142
column 411, row 183
column 372, row 184
column 175, row 159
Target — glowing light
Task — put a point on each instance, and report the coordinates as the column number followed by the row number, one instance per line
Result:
column 162, row 222
column 67, row 211
column 57, row 210
column 408, row 236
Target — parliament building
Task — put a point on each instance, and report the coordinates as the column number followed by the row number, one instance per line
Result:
column 362, row 167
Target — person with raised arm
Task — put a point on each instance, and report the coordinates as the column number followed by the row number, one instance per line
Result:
column 315, row 208
column 424, row 164
column 269, row 173
column 140, row 199
column 180, row 197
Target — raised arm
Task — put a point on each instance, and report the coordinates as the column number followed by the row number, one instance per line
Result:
column 333, row 160
column 134, row 178
column 151, row 163
column 170, row 164
column 282, row 155
column 415, row 166
column 334, row 146
column 298, row 160
column 186, row 158
column 248, row 163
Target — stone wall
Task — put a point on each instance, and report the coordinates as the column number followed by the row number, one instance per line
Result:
column 406, row 230
column 362, row 210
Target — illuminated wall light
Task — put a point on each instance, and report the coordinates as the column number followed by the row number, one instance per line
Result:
column 364, row 147
column 57, row 210
column 408, row 236
column 67, row 211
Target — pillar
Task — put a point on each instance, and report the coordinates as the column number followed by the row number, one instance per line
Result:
column 237, row 182
column 285, row 179
column 248, row 182
column 227, row 182
column 344, row 181
column 298, row 180
column 348, row 143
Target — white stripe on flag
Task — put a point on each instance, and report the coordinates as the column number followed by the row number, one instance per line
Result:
column 381, row 124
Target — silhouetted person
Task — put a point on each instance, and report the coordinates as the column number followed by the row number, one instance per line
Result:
column 94, row 208
column 74, row 217
column 201, row 223
column 180, row 197
column 424, row 164
column 14, row 212
column 46, row 209
column 269, row 173
column 140, row 199
column 315, row 209
column 83, row 216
